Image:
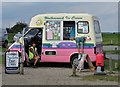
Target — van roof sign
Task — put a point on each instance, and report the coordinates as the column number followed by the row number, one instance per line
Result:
column 62, row 18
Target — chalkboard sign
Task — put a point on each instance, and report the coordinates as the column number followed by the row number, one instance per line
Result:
column 12, row 62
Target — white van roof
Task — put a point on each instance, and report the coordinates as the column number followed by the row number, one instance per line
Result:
column 58, row 16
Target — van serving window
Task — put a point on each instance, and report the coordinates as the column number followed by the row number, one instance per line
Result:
column 83, row 27
column 68, row 30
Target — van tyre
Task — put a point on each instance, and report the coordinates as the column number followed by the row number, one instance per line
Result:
column 74, row 60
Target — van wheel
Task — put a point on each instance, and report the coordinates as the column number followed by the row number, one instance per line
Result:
column 74, row 60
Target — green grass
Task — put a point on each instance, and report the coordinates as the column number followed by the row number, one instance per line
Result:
column 112, row 52
column 105, row 77
column 2, row 49
column 111, row 39
column 0, row 60
column 110, row 76
column 2, row 56
column 115, row 65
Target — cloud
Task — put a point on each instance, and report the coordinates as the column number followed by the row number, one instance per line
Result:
column 106, row 11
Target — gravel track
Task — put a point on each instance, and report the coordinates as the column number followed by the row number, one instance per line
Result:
column 50, row 76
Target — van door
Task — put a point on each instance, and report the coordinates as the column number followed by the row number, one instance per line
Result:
column 33, row 36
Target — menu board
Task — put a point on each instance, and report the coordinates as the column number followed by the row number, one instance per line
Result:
column 12, row 59
column 53, row 30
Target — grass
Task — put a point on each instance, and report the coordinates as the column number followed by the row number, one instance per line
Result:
column 111, row 39
column 2, row 56
column 98, row 77
column 2, row 49
column 0, row 60
column 111, row 76
column 112, row 52
column 115, row 64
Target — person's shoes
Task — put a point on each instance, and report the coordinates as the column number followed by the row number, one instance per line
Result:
column 28, row 65
column 34, row 66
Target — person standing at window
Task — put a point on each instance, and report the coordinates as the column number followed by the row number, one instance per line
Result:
column 72, row 33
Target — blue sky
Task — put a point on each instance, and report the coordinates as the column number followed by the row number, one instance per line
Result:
column 107, row 12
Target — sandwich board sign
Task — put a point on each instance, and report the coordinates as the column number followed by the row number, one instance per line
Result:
column 12, row 62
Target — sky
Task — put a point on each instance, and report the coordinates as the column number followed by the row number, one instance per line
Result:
column 107, row 12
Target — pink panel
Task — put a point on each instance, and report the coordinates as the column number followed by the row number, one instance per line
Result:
column 63, row 55
column 16, row 49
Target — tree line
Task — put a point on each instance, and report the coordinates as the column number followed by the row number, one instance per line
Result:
column 18, row 27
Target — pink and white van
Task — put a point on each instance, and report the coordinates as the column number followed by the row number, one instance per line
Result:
column 52, row 33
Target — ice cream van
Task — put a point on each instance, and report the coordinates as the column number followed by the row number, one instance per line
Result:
column 54, row 35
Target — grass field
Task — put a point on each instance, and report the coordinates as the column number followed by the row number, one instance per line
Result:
column 112, row 52
column 100, row 77
column 115, row 64
column 111, row 39
column 2, row 56
column 110, row 76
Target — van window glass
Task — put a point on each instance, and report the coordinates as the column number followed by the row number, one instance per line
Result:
column 68, row 30
column 96, row 26
column 83, row 27
column 50, row 52
column 32, row 33
column 52, row 30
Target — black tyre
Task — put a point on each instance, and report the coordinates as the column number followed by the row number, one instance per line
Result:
column 74, row 60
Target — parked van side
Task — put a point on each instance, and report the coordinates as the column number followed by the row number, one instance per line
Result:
column 55, row 36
